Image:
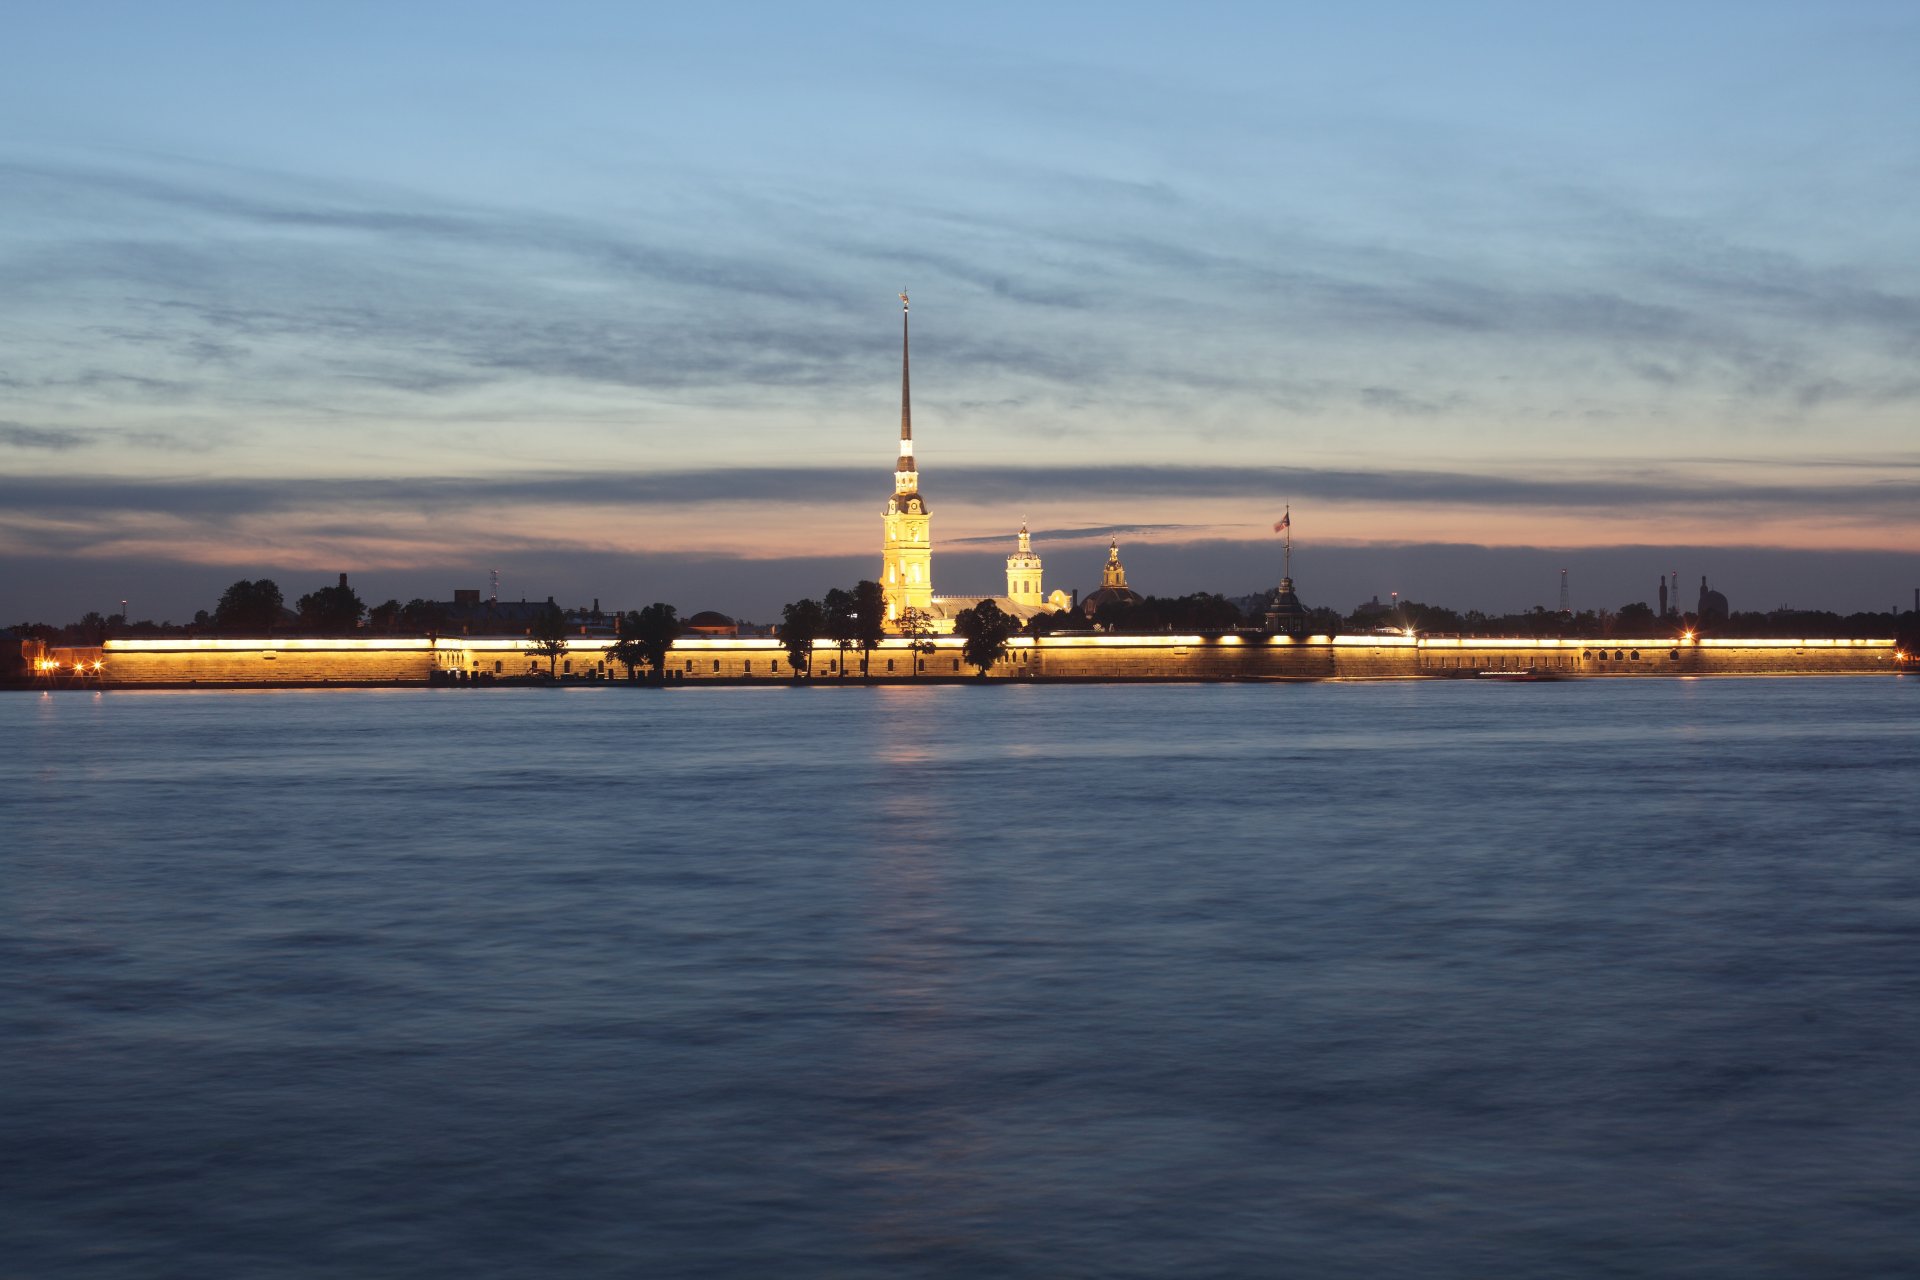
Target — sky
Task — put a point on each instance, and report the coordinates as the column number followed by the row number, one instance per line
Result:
column 604, row 296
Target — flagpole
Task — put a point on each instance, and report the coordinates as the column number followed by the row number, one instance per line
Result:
column 1286, row 564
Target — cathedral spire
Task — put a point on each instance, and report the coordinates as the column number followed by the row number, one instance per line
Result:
column 906, row 568
column 906, row 395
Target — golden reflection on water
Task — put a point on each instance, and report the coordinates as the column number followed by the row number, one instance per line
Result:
column 914, row 1011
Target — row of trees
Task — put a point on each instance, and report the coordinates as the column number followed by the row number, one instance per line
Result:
column 852, row 620
column 644, row 638
column 1636, row 619
column 855, row 619
column 257, row 607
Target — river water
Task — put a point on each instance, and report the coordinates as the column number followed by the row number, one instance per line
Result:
column 1411, row 979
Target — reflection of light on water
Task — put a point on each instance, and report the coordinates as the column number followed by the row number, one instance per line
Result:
column 910, row 1043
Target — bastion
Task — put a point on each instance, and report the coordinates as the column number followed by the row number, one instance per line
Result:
column 304, row 662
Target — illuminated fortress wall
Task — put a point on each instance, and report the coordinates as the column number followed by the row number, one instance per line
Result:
column 1445, row 655
column 253, row 662
column 1080, row 657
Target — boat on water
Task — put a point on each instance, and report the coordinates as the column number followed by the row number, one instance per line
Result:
column 1522, row 675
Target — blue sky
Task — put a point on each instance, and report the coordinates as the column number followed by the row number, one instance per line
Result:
column 409, row 291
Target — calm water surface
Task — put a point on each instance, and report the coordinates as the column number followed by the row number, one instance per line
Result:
column 1435, row 979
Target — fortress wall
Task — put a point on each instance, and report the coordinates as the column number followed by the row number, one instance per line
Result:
column 1078, row 657
column 1181, row 658
column 1785, row 658
column 1375, row 658
column 1656, row 656
column 253, row 665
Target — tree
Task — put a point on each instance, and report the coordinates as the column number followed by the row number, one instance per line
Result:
column 249, row 607
column 1635, row 619
column 656, row 627
column 331, row 609
column 986, row 631
column 917, row 626
column 869, row 619
column 423, row 616
column 382, row 617
column 627, row 650
column 838, row 625
column 1046, row 624
column 548, row 635
column 801, row 623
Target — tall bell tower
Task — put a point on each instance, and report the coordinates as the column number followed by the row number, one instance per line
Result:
column 906, row 571
column 1023, row 573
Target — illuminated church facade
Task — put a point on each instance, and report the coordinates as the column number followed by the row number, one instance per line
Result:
column 906, row 550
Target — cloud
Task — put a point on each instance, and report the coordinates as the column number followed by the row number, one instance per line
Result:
column 1079, row 533
column 19, row 436
column 340, row 285
column 64, row 439
column 1618, row 494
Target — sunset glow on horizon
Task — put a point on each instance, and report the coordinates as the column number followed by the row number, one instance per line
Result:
column 415, row 293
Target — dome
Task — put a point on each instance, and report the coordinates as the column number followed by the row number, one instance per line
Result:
column 710, row 621
column 1108, row 595
column 1285, row 614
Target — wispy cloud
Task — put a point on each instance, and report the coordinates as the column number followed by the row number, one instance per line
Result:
column 1638, row 491
column 1081, row 533
column 299, row 290
column 19, row 436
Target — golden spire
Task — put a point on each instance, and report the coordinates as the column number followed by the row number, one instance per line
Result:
column 906, row 395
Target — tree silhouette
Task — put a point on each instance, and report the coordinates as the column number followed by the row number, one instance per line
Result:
column 422, row 616
column 986, row 631
column 249, row 607
column 627, row 651
column 548, row 635
column 801, row 623
column 838, row 625
column 917, row 626
column 656, row 627
column 331, row 609
column 869, row 619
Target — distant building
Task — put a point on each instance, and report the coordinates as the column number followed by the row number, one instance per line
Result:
column 1713, row 605
column 1113, row 584
column 907, row 528
column 1023, row 572
column 1285, row 614
column 906, row 551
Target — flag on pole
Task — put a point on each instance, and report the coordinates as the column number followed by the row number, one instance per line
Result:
column 1284, row 522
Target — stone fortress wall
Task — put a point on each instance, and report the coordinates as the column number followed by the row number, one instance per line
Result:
column 388, row 661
